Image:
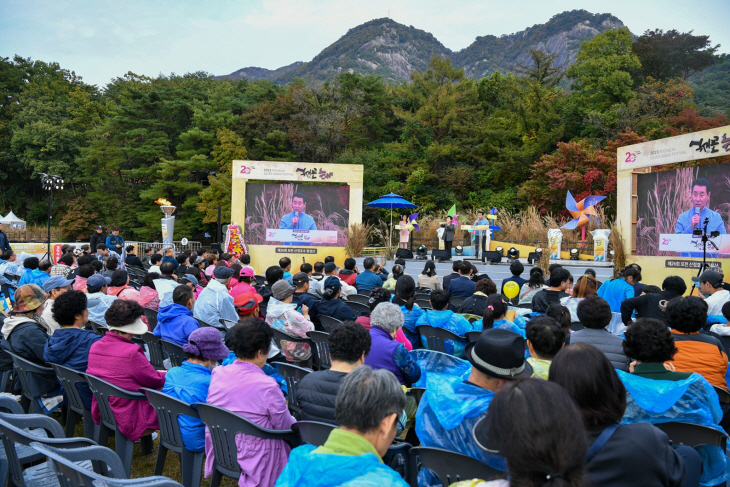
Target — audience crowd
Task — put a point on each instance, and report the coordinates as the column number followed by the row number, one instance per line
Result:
column 566, row 384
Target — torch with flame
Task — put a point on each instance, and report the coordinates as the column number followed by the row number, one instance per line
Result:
column 168, row 223
column 163, row 202
column 167, row 208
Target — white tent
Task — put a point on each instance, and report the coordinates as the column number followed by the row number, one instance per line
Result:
column 12, row 220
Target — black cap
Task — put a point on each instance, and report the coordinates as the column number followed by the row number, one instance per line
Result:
column 499, row 353
column 712, row 277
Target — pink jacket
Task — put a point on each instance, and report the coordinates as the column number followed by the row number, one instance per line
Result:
column 79, row 284
column 258, row 398
column 241, row 287
column 399, row 337
column 149, row 298
column 124, row 292
column 122, row 363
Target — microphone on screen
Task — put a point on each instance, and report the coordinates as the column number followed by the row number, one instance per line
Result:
column 296, row 215
column 697, row 211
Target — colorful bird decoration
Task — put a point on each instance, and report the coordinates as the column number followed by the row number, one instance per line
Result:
column 412, row 223
column 581, row 211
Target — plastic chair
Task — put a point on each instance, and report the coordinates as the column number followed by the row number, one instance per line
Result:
column 423, row 297
column 359, row 298
column 417, row 393
column 525, row 306
column 321, row 343
column 4, row 379
column 359, row 308
column 364, row 292
column 280, row 335
column 313, row 432
column 456, row 302
column 154, row 347
column 12, row 432
column 97, row 328
column 328, row 323
column 260, row 280
column 135, row 284
column 473, row 336
column 175, row 352
column 424, row 303
column 452, row 467
column 169, row 410
column 30, row 392
column 224, row 426
column 576, row 326
column 471, row 318
column 69, row 378
column 292, row 374
column 70, row 474
column 693, row 435
column 722, row 394
column 151, row 315
column 435, row 337
column 102, row 391
column 25, row 454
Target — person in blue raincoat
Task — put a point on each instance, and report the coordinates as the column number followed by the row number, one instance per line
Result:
column 190, row 381
column 368, row 405
column 494, row 317
column 442, row 317
column 452, row 405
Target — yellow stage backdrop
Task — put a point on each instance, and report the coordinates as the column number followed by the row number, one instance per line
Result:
column 244, row 172
column 649, row 157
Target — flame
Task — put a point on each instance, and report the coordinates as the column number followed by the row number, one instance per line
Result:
column 163, row 202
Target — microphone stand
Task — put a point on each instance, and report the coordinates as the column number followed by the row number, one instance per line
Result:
column 705, row 241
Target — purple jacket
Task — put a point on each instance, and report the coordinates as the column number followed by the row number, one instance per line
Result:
column 243, row 388
column 389, row 354
column 122, row 363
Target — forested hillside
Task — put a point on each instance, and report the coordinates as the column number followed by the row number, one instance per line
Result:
column 506, row 140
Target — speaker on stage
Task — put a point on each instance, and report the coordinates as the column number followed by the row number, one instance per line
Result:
column 216, row 246
column 403, row 254
column 492, row 256
column 439, row 254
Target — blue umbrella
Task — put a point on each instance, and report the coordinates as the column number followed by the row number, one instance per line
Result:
column 391, row 200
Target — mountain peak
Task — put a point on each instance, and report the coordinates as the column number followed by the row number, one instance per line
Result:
column 392, row 50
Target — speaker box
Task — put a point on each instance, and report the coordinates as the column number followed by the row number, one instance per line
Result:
column 439, row 254
column 216, row 246
column 492, row 256
column 403, row 254
column 533, row 257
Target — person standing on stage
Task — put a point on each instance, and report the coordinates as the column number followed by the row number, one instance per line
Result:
column 448, row 235
column 298, row 218
column 404, row 233
column 480, row 236
column 694, row 218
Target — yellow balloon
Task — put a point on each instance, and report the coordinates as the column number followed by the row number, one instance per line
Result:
column 511, row 289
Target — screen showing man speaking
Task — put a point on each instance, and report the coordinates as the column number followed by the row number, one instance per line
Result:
column 675, row 208
column 296, row 214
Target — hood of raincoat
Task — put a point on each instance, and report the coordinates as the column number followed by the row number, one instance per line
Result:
column 10, row 323
column 171, row 312
column 65, row 343
column 452, row 400
column 277, row 308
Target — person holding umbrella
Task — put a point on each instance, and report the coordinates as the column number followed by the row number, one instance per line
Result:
column 390, row 201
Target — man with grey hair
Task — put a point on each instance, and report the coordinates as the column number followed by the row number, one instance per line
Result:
column 214, row 303
column 367, row 408
column 386, row 352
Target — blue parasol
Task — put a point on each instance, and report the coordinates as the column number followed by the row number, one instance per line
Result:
column 391, row 200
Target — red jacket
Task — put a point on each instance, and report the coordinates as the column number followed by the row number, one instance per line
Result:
column 348, row 277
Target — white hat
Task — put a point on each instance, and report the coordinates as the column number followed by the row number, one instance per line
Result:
column 136, row 328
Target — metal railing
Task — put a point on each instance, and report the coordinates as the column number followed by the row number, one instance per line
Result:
column 193, row 246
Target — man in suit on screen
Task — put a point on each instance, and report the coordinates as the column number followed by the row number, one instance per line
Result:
column 694, row 218
column 298, row 218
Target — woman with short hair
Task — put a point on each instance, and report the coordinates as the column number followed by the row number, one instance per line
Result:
column 258, row 398
column 120, row 287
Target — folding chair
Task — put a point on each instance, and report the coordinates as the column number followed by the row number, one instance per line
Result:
column 292, row 374
column 30, row 390
column 452, row 467
column 436, row 337
column 69, row 378
column 175, row 352
column 103, row 391
column 169, row 411
column 223, row 426
column 321, row 343
column 70, row 474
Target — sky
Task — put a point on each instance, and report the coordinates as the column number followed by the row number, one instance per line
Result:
column 103, row 39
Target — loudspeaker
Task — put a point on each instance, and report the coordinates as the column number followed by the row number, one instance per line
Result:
column 216, row 246
column 533, row 257
column 403, row 254
column 492, row 256
column 440, row 255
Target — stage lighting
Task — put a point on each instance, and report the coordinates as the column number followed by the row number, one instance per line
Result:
column 459, row 250
column 500, row 249
column 534, row 256
column 573, row 254
column 610, row 254
column 513, row 253
column 538, row 250
column 421, row 252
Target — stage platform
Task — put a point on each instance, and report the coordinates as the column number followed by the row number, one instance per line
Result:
column 498, row 272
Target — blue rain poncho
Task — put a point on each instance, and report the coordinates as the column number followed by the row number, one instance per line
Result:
column 305, row 467
column 431, row 361
column 447, row 414
column 503, row 324
column 448, row 320
column 692, row 400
